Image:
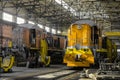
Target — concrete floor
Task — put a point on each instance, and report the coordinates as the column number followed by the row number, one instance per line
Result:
column 44, row 73
column 21, row 72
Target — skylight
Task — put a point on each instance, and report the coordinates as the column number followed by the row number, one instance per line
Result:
column 41, row 26
column 31, row 22
column 7, row 17
column 47, row 29
column 53, row 31
column 58, row 32
column 66, row 6
column 20, row 20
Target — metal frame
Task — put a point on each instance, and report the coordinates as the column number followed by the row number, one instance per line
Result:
column 49, row 12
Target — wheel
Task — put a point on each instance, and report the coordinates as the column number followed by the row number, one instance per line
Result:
column 9, row 70
column 56, row 58
column 47, row 61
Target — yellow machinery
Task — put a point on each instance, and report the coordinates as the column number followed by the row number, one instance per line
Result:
column 32, row 49
column 112, row 33
column 39, row 57
column 86, row 46
column 110, row 61
column 6, row 63
column 108, row 51
column 78, row 53
column 109, row 48
column 44, row 52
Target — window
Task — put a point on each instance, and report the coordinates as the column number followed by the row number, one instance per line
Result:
column 41, row 26
column 61, row 2
column 66, row 6
column 58, row 1
column 58, row 32
column 31, row 22
column 47, row 29
column 7, row 17
column 20, row 20
column 53, row 31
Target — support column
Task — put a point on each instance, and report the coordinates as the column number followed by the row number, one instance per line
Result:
column 1, row 14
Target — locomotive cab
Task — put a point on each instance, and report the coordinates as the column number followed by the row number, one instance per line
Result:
column 80, row 43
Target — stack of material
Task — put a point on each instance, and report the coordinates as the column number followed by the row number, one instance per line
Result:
column 5, row 35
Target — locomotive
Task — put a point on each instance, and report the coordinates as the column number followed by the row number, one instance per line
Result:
column 86, row 46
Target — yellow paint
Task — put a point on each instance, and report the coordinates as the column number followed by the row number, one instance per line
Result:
column 86, row 58
column 112, row 50
column 7, row 63
column 44, row 53
column 79, row 34
column 112, row 33
column 101, row 50
column 10, row 44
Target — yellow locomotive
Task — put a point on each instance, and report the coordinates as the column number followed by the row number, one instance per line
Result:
column 86, row 46
column 78, row 53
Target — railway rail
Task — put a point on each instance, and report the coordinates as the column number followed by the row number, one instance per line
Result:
column 61, row 75
column 50, row 73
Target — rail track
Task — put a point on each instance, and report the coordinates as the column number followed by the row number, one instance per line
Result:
column 63, row 74
column 50, row 73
